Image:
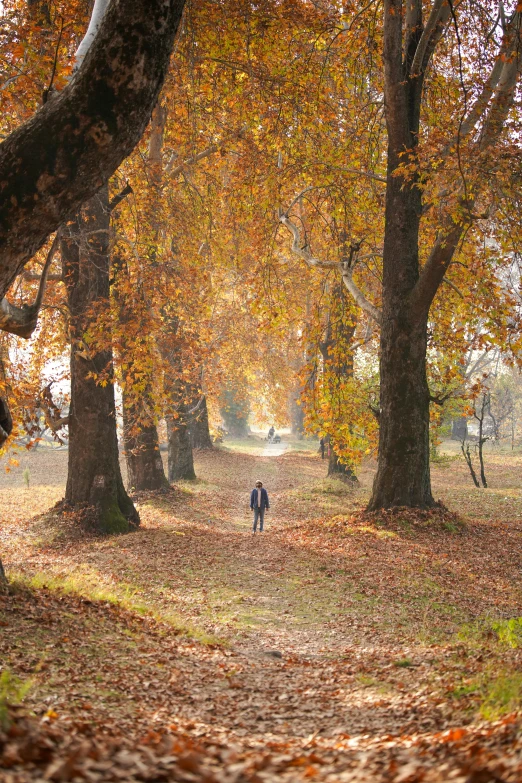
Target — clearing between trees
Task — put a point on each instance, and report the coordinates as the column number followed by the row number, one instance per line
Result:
column 332, row 647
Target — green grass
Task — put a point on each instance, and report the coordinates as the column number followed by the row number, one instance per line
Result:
column 403, row 663
column 126, row 596
column 501, row 695
column 12, row 692
column 503, row 632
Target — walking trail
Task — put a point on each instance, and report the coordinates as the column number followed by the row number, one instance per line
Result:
column 318, row 649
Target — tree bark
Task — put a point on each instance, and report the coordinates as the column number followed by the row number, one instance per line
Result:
column 142, row 453
column 199, row 428
column 94, row 478
column 403, row 474
column 4, row 584
column 181, row 460
column 64, row 154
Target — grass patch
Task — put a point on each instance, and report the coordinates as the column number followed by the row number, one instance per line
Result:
column 124, row 596
column 12, row 692
column 403, row 663
column 507, row 633
column 501, row 696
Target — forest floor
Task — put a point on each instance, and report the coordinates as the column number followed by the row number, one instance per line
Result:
column 332, row 647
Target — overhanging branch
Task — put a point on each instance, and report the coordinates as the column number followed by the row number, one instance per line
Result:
column 345, row 268
column 22, row 321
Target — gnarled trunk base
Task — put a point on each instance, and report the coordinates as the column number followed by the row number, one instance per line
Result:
column 403, row 474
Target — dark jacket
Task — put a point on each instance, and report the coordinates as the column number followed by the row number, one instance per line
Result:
column 264, row 498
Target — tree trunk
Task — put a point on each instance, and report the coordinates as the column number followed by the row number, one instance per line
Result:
column 296, row 413
column 199, row 428
column 403, row 474
column 4, row 584
column 459, row 429
column 338, row 469
column 181, row 460
column 94, row 477
column 142, row 453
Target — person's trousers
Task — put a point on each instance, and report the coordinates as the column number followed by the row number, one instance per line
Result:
column 259, row 514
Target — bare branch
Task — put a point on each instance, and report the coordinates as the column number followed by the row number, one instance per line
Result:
column 452, row 285
column 358, row 295
column 303, row 251
column 497, row 82
column 22, row 321
column 174, row 171
column 423, row 47
column 344, row 267
column 118, row 198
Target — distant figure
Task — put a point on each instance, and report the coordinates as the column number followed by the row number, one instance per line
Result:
column 322, row 447
column 271, row 433
column 259, row 504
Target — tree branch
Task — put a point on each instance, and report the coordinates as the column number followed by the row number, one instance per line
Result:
column 174, row 171
column 23, row 320
column 498, row 73
column 304, row 252
column 424, row 47
column 358, row 295
column 448, row 239
column 62, row 156
column 119, row 197
column 345, row 268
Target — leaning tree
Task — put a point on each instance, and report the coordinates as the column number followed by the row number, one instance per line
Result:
column 63, row 155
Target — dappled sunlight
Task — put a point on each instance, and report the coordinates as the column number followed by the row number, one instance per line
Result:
column 328, row 625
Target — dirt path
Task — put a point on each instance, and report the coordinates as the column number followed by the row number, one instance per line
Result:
column 317, row 634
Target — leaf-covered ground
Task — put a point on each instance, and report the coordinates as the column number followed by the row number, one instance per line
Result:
column 334, row 646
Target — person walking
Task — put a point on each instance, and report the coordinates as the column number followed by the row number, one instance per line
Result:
column 259, row 504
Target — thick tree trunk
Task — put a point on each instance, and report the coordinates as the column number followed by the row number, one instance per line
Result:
column 403, row 474
column 94, row 477
column 199, row 428
column 181, row 460
column 142, row 453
